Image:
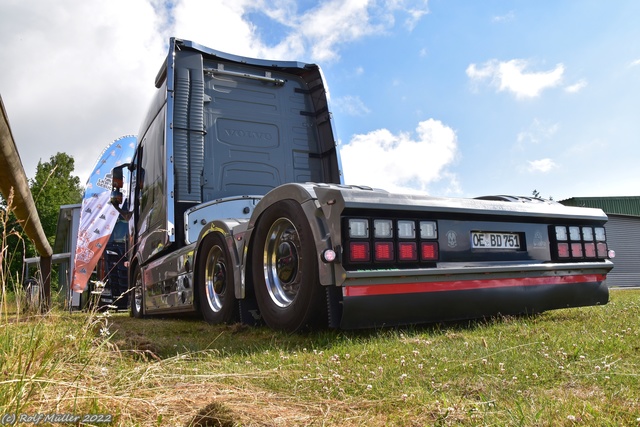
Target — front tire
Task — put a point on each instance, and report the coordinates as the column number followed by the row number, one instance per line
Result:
column 216, row 292
column 285, row 269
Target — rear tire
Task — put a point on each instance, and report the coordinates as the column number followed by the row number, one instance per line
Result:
column 216, row 292
column 136, row 296
column 285, row 269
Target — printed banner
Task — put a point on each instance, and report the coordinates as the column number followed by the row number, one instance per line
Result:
column 98, row 216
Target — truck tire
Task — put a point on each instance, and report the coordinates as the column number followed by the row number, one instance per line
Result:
column 285, row 269
column 136, row 308
column 216, row 292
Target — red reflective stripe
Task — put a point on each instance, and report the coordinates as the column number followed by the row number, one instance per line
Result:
column 463, row 285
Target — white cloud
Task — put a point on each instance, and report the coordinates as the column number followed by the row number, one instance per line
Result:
column 577, row 87
column 337, row 22
column 78, row 74
column 401, row 162
column 508, row 17
column 634, row 63
column 542, row 165
column 351, row 105
column 415, row 12
column 315, row 34
column 537, row 132
column 511, row 76
column 229, row 31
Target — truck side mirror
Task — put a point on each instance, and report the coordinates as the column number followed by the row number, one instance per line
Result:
column 117, row 182
column 116, row 198
column 117, row 177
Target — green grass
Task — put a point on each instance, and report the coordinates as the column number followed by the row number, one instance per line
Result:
column 566, row 367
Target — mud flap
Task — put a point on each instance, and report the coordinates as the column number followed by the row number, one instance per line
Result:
column 248, row 311
column 334, row 306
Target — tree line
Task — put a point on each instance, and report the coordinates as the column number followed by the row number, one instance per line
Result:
column 53, row 185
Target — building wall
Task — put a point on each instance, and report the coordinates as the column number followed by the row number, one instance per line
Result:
column 623, row 236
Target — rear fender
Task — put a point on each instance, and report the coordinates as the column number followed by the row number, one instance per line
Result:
column 230, row 229
column 304, row 195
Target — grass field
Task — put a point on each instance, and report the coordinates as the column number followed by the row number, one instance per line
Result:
column 567, row 367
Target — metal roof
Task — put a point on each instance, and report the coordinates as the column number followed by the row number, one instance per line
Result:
column 623, row 205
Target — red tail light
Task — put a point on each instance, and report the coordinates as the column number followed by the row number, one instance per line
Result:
column 429, row 251
column 602, row 250
column 384, row 251
column 359, row 252
column 590, row 250
column 386, row 242
column 407, row 251
column 579, row 242
column 563, row 250
column 576, row 250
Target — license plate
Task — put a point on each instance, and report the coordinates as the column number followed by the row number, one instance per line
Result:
column 482, row 240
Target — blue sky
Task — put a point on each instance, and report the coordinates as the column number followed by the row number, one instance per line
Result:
column 452, row 98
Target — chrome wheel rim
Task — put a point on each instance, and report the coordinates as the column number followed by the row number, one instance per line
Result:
column 137, row 294
column 215, row 276
column 282, row 262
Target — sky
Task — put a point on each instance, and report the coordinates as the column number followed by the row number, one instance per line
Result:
column 456, row 98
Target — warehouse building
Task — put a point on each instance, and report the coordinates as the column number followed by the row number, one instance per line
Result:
column 623, row 235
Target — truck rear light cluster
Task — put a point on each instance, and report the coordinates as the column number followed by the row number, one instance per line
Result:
column 580, row 242
column 391, row 241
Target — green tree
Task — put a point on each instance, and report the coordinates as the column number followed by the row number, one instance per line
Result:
column 53, row 185
column 536, row 193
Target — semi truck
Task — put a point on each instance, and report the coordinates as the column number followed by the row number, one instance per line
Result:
column 238, row 210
